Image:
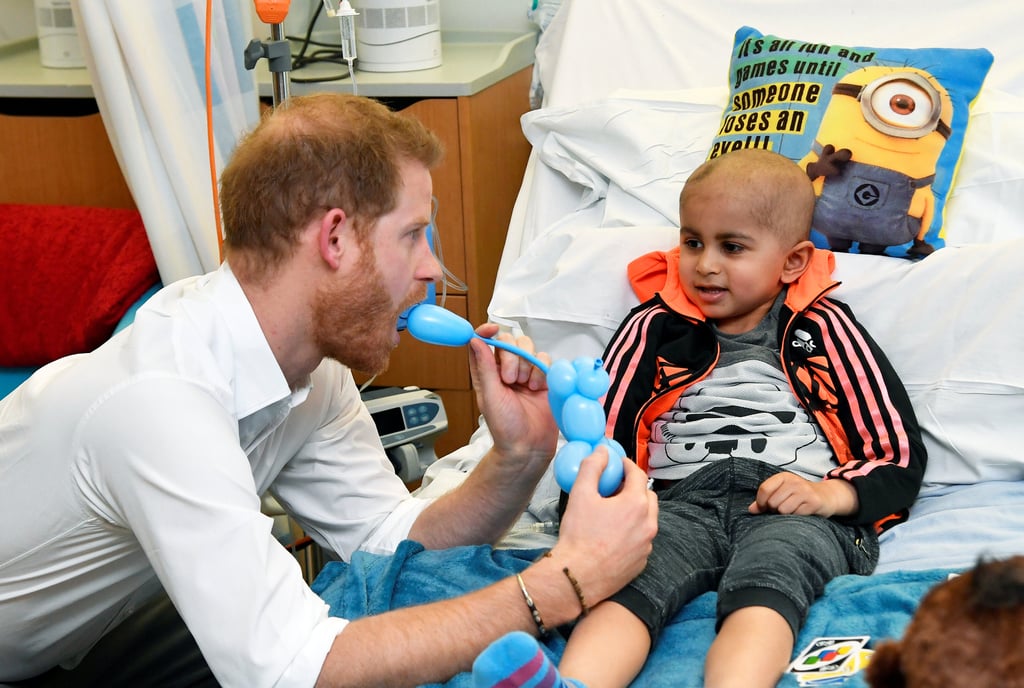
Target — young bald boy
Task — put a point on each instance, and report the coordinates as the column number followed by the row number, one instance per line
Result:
column 780, row 439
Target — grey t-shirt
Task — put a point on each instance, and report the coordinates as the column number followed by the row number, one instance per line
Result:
column 744, row 408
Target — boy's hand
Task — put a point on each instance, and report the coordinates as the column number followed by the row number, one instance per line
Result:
column 788, row 493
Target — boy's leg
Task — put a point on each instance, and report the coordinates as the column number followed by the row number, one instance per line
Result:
column 607, row 648
column 780, row 565
column 610, row 646
column 751, row 650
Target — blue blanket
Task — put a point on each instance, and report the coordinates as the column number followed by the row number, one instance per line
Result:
column 879, row 606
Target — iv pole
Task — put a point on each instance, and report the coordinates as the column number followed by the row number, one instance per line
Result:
column 277, row 50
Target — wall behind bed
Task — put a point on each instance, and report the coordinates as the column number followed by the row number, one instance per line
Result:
column 456, row 15
column 688, row 44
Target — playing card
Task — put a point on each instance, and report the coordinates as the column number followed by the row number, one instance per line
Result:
column 839, row 677
column 827, row 655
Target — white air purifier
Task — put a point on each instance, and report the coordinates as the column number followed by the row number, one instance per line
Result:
column 397, row 35
column 58, row 39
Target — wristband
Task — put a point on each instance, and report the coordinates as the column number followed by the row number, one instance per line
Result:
column 578, row 590
column 541, row 628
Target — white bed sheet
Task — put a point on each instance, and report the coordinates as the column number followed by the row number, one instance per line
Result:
column 954, row 525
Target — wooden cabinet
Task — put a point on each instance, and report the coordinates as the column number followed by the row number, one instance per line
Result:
column 67, row 159
column 59, row 159
column 476, row 187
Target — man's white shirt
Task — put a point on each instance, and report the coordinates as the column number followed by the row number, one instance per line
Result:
column 143, row 463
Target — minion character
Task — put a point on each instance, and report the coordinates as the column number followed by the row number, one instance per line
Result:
column 874, row 159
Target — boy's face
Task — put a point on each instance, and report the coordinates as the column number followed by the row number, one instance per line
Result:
column 730, row 266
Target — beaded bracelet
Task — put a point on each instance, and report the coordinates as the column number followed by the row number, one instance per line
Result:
column 578, row 590
column 541, row 628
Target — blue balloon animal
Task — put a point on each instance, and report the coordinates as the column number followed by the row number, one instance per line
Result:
column 573, row 392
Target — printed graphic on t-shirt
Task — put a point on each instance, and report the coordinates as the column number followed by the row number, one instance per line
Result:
column 742, row 410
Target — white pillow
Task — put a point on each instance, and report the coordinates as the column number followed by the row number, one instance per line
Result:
column 569, row 291
column 632, row 151
column 953, row 326
column 987, row 198
column 593, row 166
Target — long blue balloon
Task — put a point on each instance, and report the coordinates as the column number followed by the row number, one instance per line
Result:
column 579, row 417
column 436, row 325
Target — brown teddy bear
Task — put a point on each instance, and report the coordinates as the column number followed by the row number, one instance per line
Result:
column 968, row 632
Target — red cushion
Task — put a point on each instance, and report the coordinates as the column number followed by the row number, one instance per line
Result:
column 67, row 275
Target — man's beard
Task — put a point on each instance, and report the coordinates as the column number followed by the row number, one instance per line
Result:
column 354, row 319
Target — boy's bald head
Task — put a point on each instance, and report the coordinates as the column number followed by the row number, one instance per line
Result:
column 778, row 192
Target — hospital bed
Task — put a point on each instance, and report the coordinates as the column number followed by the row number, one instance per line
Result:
column 601, row 188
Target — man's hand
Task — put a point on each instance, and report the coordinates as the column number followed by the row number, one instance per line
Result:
column 788, row 493
column 605, row 541
column 512, row 394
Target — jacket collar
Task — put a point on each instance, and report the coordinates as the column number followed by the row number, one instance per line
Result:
column 657, row 273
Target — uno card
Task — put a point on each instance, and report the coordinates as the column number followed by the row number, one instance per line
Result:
column 836, row 678
column 828, row 656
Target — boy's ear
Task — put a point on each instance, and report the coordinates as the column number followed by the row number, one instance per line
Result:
column 797, row 260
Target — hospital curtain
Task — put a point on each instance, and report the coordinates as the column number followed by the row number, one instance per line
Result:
column 146, row 64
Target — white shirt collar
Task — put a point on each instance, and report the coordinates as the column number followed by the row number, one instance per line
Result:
column 256, row 375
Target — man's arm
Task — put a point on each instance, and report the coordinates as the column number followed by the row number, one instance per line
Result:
column 512, row 394
column 604, row 542
column 181, row 485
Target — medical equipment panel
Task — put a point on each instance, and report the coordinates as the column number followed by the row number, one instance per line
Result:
column 408, row 420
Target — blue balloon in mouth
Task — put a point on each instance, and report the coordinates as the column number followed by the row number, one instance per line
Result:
column 574, row 391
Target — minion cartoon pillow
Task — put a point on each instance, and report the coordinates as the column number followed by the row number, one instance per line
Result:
column 878, row 130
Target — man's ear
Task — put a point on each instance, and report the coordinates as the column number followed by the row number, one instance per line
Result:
column 797, row 260
column 334, row 236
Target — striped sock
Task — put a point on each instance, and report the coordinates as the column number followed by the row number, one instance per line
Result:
column 516, row 660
